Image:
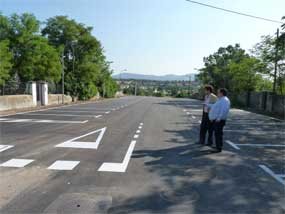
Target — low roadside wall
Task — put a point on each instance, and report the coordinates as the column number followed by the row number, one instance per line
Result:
column 55, row 99
column 15, row 102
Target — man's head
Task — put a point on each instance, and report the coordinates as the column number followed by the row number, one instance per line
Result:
column 222, row 92
column 208, row 89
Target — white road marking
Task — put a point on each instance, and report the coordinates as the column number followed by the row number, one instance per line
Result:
column 270, row 172
column 16, row 163
column 72, row 143
column 3, row 119
column 98, row 116
column 14, row 120
column 138, row 131
column 136, row 136
column 62, row 115
column 119, row 167
column 141, row 124
column 260, row 145
column 193, row 117
column 107, row 112
column 63, row 165
column 5, row 147
column 184, row 110
column 140, row 127
column 232, row 145
column 188, row 113
column 200, row 121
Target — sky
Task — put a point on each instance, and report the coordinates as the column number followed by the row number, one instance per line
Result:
column 160, row 36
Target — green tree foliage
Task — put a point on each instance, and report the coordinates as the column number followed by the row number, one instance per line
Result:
column 86, row 68
column 33, row 57
column 231, row 67
column 5, row 61
column 270, row 50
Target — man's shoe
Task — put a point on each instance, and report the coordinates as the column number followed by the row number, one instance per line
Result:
column 209, row 144
column 218, row 150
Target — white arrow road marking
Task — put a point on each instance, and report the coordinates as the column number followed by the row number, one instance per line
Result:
column 119, row 167
column 72, row 143
column 5, row 147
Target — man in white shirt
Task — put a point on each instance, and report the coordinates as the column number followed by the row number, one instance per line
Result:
column 206, row 125
column 218, row 115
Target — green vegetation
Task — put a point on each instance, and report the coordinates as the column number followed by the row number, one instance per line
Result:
column 231, row 67
column 28, row 53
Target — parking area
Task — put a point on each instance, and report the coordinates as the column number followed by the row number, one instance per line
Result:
column 258, row 138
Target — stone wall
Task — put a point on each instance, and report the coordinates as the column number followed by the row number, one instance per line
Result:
column 10, row 102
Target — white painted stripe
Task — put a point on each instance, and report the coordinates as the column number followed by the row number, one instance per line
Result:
column 269, row 171
column 193, row 117
column 63, row 165
column 260, row 145
column 17, row 163
column 141, row 124
column 43, row 121
column 98, row 116
column 5, row 147
column 107, row 112
column 232, row 145
column 140, row 127
column 136, row 136
column 72, row 143
column 138, row 131
column 2, row 119
column 188, row 113
column 68, row 111
column 119, row 167
column 61, row 115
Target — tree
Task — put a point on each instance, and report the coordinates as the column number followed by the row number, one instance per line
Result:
column 84, row 59
column 33, row 57
column 5, row 61
column 269, row 51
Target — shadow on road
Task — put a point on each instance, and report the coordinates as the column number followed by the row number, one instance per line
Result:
column 194, row 179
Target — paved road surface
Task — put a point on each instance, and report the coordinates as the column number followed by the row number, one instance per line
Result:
column 138, row 155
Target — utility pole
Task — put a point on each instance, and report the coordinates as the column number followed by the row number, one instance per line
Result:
column 62, row 77
column 276, row 62
column 189, row 85
column 136, row 89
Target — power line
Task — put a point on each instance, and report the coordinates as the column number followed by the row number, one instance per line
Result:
column 235, row 12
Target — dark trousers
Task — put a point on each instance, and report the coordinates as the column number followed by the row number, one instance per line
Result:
column 206, row 126
column 218, row 129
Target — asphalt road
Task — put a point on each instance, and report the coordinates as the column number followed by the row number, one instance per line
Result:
column 139, row 155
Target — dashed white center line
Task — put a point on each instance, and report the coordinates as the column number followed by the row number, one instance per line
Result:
column 107, row 112
column 98, row 116
column 136, row 136
column 140, row 127
column 138, row 131
column 141, row 124
column 193, row 117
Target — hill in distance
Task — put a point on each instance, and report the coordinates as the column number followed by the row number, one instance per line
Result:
column 169, row 77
